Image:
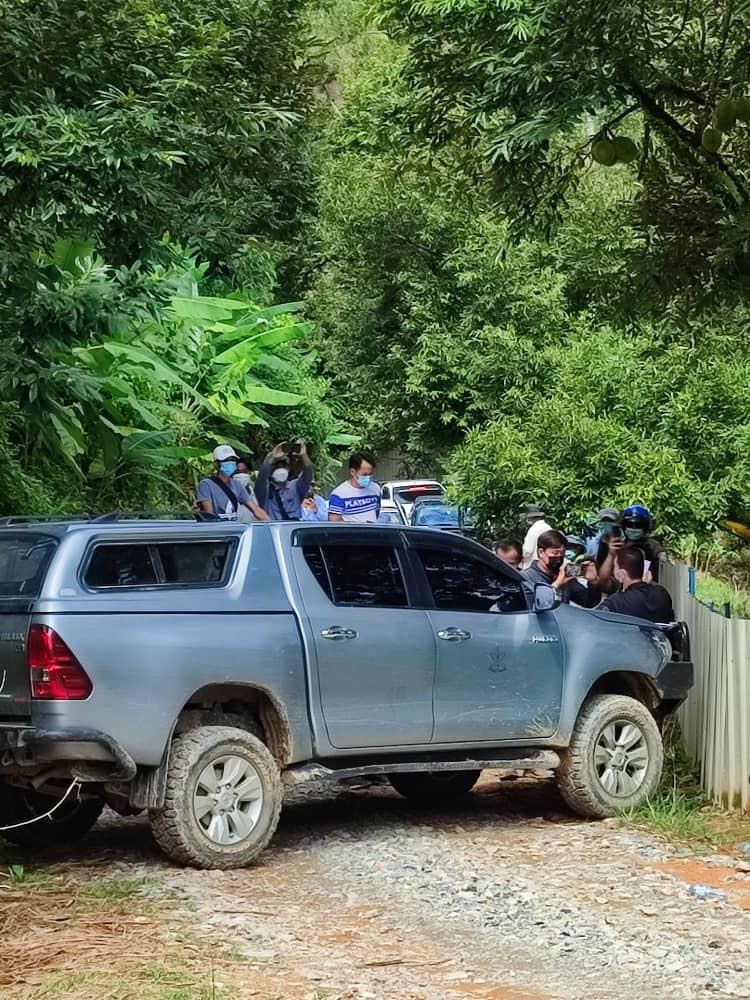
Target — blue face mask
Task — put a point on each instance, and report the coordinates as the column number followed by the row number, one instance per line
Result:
column 633, row 534
column 570, row 555
column 364, row 481
column 228, row 468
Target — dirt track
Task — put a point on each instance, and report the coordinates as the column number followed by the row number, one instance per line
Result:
column 505, row 896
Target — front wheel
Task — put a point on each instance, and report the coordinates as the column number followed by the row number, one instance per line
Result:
column 223, row 799
column 433, row 787
column 615, row 757
column 71, row 821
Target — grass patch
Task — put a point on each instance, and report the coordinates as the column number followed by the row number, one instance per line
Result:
column 681, row 812
column 114, row 890
column 711, row 589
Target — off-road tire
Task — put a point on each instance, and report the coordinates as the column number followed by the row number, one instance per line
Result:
column 70, row 822
column 175, row 827
column 577, row 776
column 433, row 787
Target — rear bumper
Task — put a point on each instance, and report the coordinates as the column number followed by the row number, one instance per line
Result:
column 675, row 680
column 93, row 755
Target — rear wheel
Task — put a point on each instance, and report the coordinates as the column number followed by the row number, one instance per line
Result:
column 223, row 799
column 434, row 787
column 71, row 821
column 615, row 757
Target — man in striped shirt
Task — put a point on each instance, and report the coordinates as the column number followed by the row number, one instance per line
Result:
column 356, row 501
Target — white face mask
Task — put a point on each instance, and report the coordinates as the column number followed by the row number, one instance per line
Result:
column 243, row 478
column 280, row 476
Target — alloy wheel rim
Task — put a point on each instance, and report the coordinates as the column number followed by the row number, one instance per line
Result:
column 621, row 758
column 228, row 800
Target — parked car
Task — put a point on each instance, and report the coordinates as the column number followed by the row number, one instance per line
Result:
column 404, row 492
column 434, row 512
column 390, row 513
column 191, row 669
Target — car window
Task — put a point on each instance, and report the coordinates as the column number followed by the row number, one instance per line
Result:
column 143, row 564
column 463, row 583
column 23, row 562
column 360, row 575
column 389, row 517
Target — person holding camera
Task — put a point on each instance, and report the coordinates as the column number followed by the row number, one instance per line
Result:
column 279, row 496
column 575, row 582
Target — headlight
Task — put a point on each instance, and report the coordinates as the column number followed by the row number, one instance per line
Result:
column 662, row 643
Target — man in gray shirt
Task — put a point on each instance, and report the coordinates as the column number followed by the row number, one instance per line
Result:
column 220, row 496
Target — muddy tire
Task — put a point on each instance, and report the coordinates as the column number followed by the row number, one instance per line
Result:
column 70, row 822
column 223, row 799
column 615, row 757
column 434, row 787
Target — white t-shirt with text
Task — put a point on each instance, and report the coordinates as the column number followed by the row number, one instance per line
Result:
column 355, row 504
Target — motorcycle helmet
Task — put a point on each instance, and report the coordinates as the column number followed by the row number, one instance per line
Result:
column 636, row 522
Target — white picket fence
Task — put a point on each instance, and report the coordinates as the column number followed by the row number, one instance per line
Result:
column 715, row 719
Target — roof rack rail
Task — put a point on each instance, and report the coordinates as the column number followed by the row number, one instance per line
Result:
column 110, row 517
column 42, row 518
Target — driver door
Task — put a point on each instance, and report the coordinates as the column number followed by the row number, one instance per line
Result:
column 499, row 666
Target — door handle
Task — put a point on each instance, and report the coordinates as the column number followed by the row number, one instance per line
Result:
column 454, row 634
column 338, row 632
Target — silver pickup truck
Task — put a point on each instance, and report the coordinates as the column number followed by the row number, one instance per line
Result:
column 193, row 669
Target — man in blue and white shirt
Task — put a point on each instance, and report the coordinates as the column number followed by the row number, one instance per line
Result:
column 356, row 501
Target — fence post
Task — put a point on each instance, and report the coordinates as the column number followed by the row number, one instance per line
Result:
column 726, row 609
column 691, row 580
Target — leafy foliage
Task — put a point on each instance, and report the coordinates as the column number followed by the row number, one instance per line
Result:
column 531, row 86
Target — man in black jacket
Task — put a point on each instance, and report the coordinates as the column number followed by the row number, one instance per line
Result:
column 639, row 599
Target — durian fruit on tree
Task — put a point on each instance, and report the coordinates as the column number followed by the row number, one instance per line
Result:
column 625, row 149
column 725, row 115
column 608, row 152
column 742, row 110
column 711, row 139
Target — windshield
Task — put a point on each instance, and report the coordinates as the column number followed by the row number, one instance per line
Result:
column 23, row 563
column 435, row 513
column 408, row 494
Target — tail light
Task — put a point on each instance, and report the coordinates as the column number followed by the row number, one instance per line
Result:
column 56, row 675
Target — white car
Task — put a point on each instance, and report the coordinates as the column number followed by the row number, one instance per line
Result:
column 390, row 513
column 404, row 493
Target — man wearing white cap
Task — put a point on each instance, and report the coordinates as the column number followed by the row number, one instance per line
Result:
column 220, row 495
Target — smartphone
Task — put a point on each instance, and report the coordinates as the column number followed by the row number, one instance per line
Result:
column 573, row 570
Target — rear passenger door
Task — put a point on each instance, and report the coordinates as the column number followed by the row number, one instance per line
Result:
column 499, row 669
column 374, row 650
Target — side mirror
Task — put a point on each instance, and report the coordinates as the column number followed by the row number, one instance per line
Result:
column 545, row 598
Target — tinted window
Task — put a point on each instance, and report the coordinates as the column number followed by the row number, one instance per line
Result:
column 194, row 562
column 365, row 575
column 23, row 563
column 389, row 517
column 163, row 564
column 463, row 583
column 121, row 566
column 314, row 559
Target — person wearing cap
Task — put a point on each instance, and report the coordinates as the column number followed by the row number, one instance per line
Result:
column 607, row 525
column 220, row 495
column 535, row 517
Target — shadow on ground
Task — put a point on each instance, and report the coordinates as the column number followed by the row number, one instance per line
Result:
column 314, row 812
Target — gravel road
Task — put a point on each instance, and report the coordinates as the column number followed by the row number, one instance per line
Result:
column 504, row 896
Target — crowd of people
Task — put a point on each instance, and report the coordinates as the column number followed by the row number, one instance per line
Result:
column 616, row 568
column 229, row 496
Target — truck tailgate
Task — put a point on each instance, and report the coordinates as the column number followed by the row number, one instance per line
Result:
column 15, row 689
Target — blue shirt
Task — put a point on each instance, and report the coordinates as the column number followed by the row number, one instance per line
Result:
column 209, row 490
column 321, row 510
column 282, row 503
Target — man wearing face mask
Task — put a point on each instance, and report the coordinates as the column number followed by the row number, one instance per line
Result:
column 638, row 598
column 279, row 496
column 242, row 476
column 358, row 499
column 552, row 567
column 636, row 523
column 220, row 495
